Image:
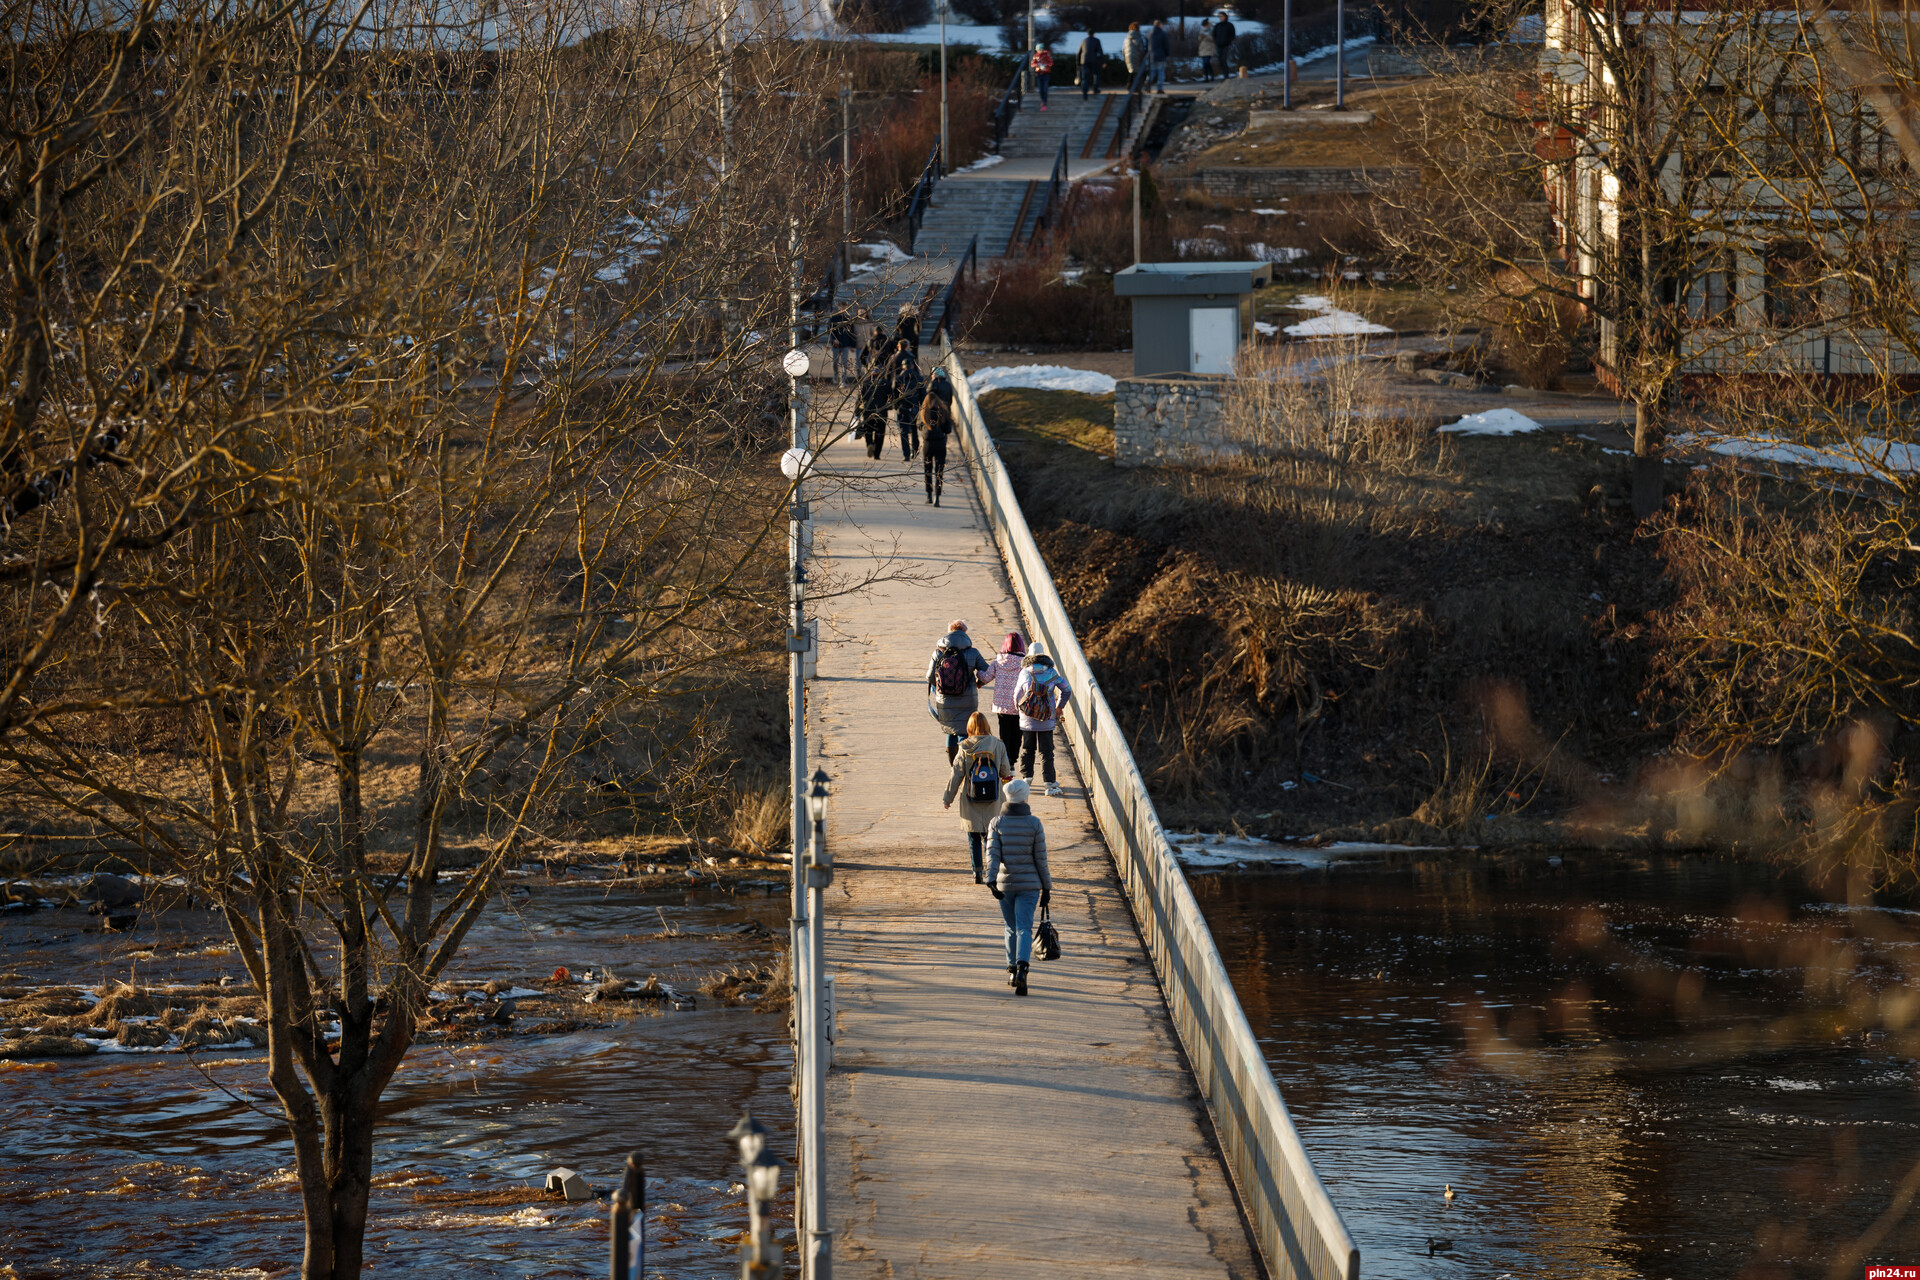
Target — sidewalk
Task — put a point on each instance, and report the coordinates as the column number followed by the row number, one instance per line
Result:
column 970, row 1132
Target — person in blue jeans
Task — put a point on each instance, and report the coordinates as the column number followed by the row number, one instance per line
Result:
column 1159, row 49
column 1017, row 875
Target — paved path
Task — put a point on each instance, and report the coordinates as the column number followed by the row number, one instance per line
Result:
column 971, row 1133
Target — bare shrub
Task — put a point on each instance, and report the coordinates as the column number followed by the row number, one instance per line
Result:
column 1312, row 400
column 1532, row 327
column 1028, row 300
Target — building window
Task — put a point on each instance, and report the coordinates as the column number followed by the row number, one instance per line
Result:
column 1793, row 285
column 1866, row 144
column 1791, row 127
column 1711, row 294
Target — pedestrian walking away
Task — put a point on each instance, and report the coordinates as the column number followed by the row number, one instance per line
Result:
column 1223, row 37
column 936, row 424
column 954, row 676
column 1159, row 49
column 981, row 768
column 1006, row 677
column 1207, row 49
column 907, row 333
column 1042, row 64
column 876, row 396
column 1040, row 694
column 940, row 386
column 845, row 341
column 909, row 389
column 1091, row 57
column 1017, row 875
column 1133, row 51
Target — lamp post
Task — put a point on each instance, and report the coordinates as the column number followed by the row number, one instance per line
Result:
column 818, row 1260
column 1026, row 55
column 761, row 1258
column 1340, row 55
column 1286, row 54
column 846, row 174
column 946, row 159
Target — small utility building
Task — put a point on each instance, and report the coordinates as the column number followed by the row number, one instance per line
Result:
column 1190, row 317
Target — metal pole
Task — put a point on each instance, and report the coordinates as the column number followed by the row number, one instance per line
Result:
column 1026, row 59
column 846, row 174
column 1286, row 54
column 627, row 1243
column 946, row 157
column 1339, row 55
column 818, row 1264
column 796, row 698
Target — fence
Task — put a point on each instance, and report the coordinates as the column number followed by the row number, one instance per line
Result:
column 1298, row 1229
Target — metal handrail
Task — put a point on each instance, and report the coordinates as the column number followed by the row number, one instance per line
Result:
column 1009, row 107
column 923, row 195
column 1136, row 95
column 950, row 296
column 1056, row 183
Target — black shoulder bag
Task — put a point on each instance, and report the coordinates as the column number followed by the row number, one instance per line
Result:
column 1046, row 938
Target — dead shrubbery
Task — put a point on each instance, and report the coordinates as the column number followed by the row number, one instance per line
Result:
column 1532, row 327
column 1028, row 300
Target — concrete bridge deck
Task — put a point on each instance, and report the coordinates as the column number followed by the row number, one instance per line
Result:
column 969, row 1132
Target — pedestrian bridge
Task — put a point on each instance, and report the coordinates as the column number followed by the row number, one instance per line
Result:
column 1120, row 1120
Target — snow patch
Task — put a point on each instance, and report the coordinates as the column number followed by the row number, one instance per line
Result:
column 1211, row 851
column 1331, row 322
column 1493, row 422
column 1324, row 51
column 1265, row 330
column 1040, row 377
column 1274, row 253
column 1871, row 455
column 984, row 162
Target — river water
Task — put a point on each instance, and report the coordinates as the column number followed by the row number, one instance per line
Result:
column 1670, row 1068
column 165, row 1165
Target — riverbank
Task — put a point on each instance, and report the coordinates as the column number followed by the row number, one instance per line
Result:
column 1434, row 640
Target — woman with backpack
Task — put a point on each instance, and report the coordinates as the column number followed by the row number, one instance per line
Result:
column 1039, row 696
column 936, row 424
column 980, row 769
column 1018, row 877
column 954, row 678
column 1006, row 675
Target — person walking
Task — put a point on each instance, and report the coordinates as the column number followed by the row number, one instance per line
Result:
column 1133, row 51
column 906, row 333
column 954, row 677
column 1207, row 49
column 876, row 396
column 1159, row 49
column 1091, row 57
column 980, row 769
column 1042, row 64
column 1223, row 37
column 909, row 389
column 845, row 342
column 936, row 424
column 1018, row 876
column 1039, row 695
column 1006, row 676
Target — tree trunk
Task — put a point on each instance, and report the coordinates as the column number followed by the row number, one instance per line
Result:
column 1649, row 487
column 334, row 1196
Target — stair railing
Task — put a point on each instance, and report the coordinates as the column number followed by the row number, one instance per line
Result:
column 950, row 296
column 1136, row 101
column 923, row 196
column 1055, row 202
column 1009, row 107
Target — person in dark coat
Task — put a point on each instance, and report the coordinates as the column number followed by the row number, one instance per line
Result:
column 1018, row 876
column 876, row 397
column 845, row 341
column 909, row 389
column 906, row 334
column 977, row 753
column 1159, row 49
column 936, row 424
column 1223, row 37
column 1091, row 56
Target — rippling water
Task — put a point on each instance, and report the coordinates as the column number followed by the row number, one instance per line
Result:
column 176, row 1167
column 1666, row 1068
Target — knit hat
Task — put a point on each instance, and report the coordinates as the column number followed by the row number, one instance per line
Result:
column 1015, row 643
column 958, row 624
column 1017, row 791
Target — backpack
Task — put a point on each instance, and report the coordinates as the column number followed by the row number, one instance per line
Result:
column 1037, row 702
column 953, row 675
column 983, row 779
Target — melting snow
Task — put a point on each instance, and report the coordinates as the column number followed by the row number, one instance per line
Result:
column 1202, row 850
column 1040, row 377
column 1887, row 456
column 984, row 162
column 1331, row 322
column 1493, row 422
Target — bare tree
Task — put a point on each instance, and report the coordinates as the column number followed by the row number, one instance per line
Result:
column 452, row 467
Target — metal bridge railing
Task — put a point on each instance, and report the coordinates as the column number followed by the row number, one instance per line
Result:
column 1294, row 1221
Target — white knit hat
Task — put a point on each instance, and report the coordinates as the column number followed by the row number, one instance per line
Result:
column 1017, row 791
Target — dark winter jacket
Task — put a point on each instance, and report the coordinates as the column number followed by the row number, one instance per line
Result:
column 840, row 330
column 1017, row 852
column 940, row 387
column 1223, row 34
column 1091, row 55
column 1159, row 48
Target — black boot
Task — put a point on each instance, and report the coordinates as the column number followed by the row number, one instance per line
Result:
column 1013, row 975
column 1020, row 978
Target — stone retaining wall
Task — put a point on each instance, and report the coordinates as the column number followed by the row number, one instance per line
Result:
column 1268, row 184
column 1173, row 419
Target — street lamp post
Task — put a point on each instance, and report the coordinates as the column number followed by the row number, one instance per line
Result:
column 946, row 158
column 1026, row 55
column 846, row 173
column 1340, row 55
column 1286, row 54
column 818, row 1262
column 761, row 1258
